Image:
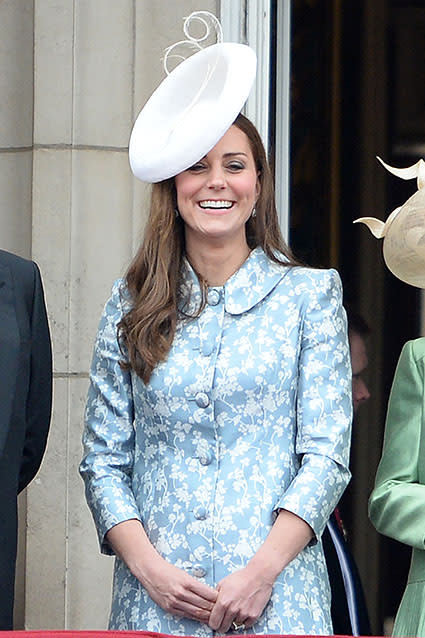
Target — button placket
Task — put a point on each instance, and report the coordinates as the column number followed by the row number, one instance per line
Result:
column 210, row 326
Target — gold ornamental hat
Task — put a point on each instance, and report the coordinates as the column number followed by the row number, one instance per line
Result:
column 404, row 230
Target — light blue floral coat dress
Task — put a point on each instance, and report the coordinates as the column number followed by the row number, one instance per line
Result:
column 250, row 413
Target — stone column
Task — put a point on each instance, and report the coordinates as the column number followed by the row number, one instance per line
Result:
column 16, row 133
column 16, row 124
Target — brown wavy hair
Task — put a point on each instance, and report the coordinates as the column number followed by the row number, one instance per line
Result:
column 147, row 331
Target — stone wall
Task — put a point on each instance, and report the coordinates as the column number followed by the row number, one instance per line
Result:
column 73, row 76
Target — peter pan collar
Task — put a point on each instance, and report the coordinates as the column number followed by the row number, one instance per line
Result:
column 249, row 285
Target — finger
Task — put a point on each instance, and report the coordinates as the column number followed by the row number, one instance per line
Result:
column 228, row 618
column 199, row 603
column 227, row 622
column 204, row 591
column 194, row 599
column 191, row 611
column 216, row 616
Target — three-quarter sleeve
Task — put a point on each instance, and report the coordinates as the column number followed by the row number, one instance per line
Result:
column 108, row 437
column 397, row 503
column 324, row 404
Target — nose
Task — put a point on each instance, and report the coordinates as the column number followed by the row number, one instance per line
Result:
column 360, row 391
column 216, row 178
column 364, row 391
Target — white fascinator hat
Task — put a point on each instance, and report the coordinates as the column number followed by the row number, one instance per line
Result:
column 193, row 106
column 404, row 231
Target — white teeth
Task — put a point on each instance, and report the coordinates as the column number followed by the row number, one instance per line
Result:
column 213, row 203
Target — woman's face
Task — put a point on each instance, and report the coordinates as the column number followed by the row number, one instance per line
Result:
column 216, row 196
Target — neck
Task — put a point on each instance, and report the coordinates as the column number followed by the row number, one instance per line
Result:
column 217, row 263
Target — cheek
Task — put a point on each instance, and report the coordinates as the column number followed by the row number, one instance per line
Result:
column 184, row 202
column 250, row 189
column 184, row 187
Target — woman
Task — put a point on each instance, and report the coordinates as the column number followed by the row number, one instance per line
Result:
column 397, row 503
column 218, row 421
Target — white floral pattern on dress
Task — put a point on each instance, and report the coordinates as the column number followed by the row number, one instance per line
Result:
column 251, row 412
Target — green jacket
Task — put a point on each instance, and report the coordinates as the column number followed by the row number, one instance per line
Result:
column 397, row 503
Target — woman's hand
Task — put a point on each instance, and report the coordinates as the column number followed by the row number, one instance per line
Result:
column 179, row 593
column 242, row 597
column 170, row 587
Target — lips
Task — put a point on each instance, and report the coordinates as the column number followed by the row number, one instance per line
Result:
column 216, row 204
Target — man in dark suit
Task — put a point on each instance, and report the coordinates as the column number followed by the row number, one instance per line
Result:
column 349, row 610
column 25, row 402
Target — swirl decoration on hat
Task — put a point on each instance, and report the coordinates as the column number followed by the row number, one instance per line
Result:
column 404, row 230
column 208, row 21
column 194, row 105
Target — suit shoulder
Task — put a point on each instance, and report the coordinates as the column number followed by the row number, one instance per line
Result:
column 24, row 274
column 16, row 263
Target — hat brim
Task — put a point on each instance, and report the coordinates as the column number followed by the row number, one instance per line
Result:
column 191, row 110
column 404, row 244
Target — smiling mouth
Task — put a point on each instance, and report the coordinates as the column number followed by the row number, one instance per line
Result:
column 216, row 204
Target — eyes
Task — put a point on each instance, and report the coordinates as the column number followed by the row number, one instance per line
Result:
column 234, row 166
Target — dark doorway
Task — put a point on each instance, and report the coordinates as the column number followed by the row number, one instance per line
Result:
column 358, row 90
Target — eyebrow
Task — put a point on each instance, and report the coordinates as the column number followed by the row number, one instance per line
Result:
column 235, row 153
column 232, row 154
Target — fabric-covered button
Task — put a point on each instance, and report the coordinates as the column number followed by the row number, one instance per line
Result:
column 198, row 571
column 205, row 459
column 202, row 400
column 213, row 297
column 200, row 513
column 207, row 348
